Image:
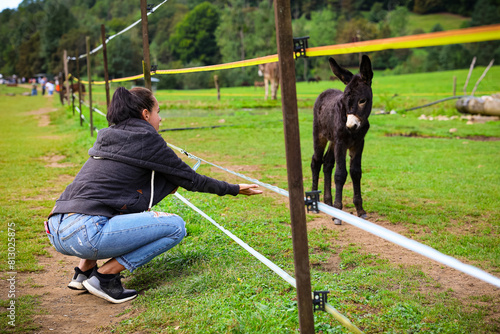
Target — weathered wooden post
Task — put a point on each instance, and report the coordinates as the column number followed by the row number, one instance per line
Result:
column 145, row 45
column 216, row 81
column 72, row 97
column 79, row 86
column 105, row 56
column 468, row 75
column 89, row 75
column 66, row 80
column 284, row 39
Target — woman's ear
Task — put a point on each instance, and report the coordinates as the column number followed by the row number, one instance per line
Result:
column 145, row 114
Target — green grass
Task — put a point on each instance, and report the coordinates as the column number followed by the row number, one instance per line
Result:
column 29, row 188
column 426, row 22
column 418, row 22
column 443, row 190
column 25, row 307
column 410, row 90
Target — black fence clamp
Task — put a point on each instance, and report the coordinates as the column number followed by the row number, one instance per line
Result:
column 312, row 199
column 320, row 299
column 150, row 7
column 300, row 46
column 154, row 68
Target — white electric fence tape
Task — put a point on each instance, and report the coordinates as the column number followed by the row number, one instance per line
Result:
column 93, row 108
column 283, row 274
column 252, row 251
column 99, row 112
column 85, row 120
column 376, row 230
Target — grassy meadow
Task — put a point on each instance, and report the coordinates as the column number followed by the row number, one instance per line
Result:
column 442, row 188
column 426, row 22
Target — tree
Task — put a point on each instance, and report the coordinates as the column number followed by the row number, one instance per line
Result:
column 454, row 56
column 58, row 21
column 245, row 32
column 355, row 30
column 261, row 39
column 194, row 37
column 124, row 57
column 165, row 24
column 29, row 61
column 432, row 62
column 485, row 12
column 377, row 13
column 323, row 28
column 235, row 24
column 398, row 20
column 428, row 6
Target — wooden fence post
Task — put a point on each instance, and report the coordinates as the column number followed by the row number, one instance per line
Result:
column 72, row 97
column 284, row 39
column 216, row 81
column 79, row 86
column 105, row 56
column 145, row 44
column 89, row 75
column 66, row 80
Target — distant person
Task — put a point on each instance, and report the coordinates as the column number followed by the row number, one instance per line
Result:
column 43, row 81
column 50, row 88
column 34, row 89
column 105, row 212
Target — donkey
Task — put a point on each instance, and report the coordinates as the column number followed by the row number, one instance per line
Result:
column 271, row 74
column 73, row 89
column 341, row 119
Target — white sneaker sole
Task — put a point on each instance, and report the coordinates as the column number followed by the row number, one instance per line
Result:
column 101, row 294
column 74, row 285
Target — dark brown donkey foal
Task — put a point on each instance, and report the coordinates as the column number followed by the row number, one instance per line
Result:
column 342, row 119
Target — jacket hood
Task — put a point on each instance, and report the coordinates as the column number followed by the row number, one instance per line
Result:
column 136, row 142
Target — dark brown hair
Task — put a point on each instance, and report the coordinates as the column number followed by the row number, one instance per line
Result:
column 127, row 104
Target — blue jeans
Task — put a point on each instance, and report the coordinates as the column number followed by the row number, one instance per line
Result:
column 133, row 239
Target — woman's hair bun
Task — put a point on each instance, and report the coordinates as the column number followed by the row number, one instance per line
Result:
column 127, row 104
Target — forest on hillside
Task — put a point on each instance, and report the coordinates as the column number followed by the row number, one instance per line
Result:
column 187, row 33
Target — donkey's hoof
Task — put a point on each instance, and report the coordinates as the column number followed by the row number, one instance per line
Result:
column 364, row 216
column 337, row 221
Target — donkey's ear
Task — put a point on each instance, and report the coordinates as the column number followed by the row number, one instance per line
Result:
column 365, row 69
column 344, row 75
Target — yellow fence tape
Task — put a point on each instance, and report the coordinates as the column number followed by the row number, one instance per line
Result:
column 458, row 36
column 467, row 35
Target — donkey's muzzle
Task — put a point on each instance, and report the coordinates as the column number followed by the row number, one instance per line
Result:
column 353, row 122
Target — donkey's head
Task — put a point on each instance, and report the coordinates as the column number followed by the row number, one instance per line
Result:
column 357, row 98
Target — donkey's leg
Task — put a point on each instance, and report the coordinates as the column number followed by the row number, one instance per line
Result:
column 355, row 171
column 273, row 89
column 338, row 155
column 340, row 174
column 328, row 164
column 266, row 86
column 317, row 159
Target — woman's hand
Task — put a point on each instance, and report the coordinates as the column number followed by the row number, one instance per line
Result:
column 248, row 189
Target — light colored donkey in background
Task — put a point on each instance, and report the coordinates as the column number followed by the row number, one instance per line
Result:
column 271, row 74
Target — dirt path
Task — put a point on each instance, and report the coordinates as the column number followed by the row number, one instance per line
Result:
column 69, row 311
column 461, row 286
column 64, row 310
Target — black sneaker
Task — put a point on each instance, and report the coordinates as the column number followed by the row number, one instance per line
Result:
column 78, row 278
column 108, row 287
